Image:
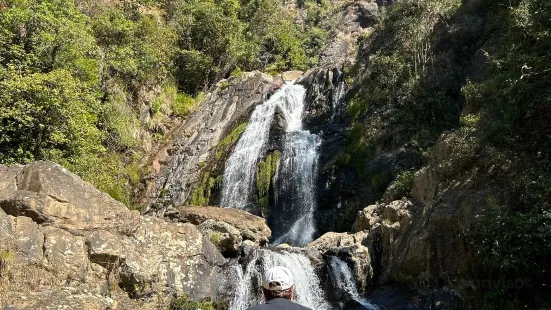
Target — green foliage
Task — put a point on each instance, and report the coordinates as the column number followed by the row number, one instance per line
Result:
column 184, row 303
column 514, row 247
column 185, row 104
column 47, row 116
column 403, row 184
column 247, row 35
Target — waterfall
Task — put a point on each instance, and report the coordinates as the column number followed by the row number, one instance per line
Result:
column 241, row 165
column 307, row 284
column 343, row 278
column 293, row 215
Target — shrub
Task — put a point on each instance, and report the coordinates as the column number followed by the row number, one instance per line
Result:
column 512, row 247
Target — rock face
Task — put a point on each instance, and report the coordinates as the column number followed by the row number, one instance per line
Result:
column 355, row 19
column 227, row 221
column 179, row 167
column 65, row 244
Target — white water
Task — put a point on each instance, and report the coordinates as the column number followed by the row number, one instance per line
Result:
column 241, row 165
column 307, row 285
column 295, row 183
column 293, row 215
column 340, row 273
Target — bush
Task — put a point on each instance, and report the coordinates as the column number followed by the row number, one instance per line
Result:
column 514, row 247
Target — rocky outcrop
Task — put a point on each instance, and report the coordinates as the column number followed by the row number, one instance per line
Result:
column 398, row 213
column 181, row 165
column 227, row 221
column 350, row 248
column 355, row 19
column 66, row 244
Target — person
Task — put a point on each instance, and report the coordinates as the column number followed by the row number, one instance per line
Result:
column 279, row 290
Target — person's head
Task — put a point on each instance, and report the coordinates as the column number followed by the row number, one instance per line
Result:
column 278, row 283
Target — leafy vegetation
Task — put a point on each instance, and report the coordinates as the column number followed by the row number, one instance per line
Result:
column 428, row 61
column 93, row 85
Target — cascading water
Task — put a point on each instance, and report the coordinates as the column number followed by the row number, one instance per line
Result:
column 241, row 165
column 307, row 284
column 292, row 218
column 343, row 278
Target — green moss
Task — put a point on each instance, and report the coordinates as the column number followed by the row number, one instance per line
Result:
column 265, row 171
column 7, row 255
column 201, row 196
column 224, row 145
column 215, row 238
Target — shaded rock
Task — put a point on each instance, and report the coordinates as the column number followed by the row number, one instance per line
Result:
column 392, row 297
column 28, row 240
column 251, row 227
column 6, row 232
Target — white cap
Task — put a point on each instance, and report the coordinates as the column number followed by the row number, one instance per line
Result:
column 278, row 279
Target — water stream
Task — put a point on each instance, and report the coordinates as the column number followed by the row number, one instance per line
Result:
column 292, row 216
column 308, row 290
column 343, row 278
column 292, row 219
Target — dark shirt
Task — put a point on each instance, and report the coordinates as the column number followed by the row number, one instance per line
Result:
column 279, row 304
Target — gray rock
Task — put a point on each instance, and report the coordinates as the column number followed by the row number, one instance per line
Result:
column 48, row 193
column 78, row 237
column 226, row 237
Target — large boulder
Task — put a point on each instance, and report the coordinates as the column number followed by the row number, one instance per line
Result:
column 399, row 211
column 58, row 231
column 49, row 194
column 251, row 227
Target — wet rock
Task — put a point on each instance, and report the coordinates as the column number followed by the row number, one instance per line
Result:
column 349, row 247
column 251, row 227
